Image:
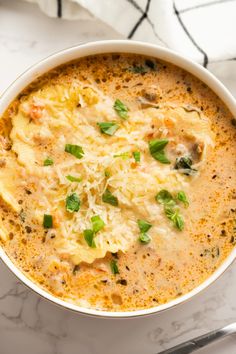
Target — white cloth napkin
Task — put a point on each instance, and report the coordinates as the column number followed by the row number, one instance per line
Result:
column 201, row 29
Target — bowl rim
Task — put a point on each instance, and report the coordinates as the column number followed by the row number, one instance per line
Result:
column 121, row 46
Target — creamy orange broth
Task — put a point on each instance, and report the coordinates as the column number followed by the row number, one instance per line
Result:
column 64, row 107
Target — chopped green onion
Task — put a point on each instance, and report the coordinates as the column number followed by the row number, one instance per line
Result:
column 89, row 238
column 121, row 109
column 97, row 223
column 47, row 221
column 137, row 155
column 114, row 267
column 144, row 238
column 74, row 150
column 181, row 196
column 109, row 198
column 73, row 179
column 108, row 128
column 144, row 225
column 156, row 148
column 72, row 203
column 48, row 162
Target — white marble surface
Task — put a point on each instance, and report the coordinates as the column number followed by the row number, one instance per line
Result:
column 31, row 325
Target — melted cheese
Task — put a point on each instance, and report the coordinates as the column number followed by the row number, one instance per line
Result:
column 57, row 115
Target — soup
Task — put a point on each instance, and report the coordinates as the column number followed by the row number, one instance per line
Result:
column 117, row 182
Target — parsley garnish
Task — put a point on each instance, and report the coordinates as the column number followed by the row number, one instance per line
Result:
column 121, row 109
column 144, row 225
column 73, row 179
column 47, row 221
column 74, row 150
column 97, row 223
column 137, row 156
column 89, row 238
column 72, row 203
column 114, row 267
column 156, row 148
column 109, row 198
column 48, row 162
column 144, row 238
column 181, row 196
column 108, row 128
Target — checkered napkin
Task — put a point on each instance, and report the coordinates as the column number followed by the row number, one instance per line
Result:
column 204, row 30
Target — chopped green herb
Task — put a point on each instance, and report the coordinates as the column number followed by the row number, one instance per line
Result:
column 144, row 225
column 108, row 128
column 184, row 164
column 47, row 221
column 109, row 198
column 165, row 197
column 72, row 203
column 137, row 156
column 156, row 148
column 74, row 150
column 123, row 155
column 48, row 162
column 73, row 179
column 121, row 109
column 114, row 267
column 107, row 173
column 144, row 238
column 181, row 196
column 89, row 238
column 175, row 217
column 150, row 64
column 138, row 69
column 97, row 223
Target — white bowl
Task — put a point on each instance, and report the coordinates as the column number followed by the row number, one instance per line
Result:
column 122, row 46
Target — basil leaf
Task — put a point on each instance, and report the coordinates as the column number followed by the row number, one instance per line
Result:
column 114, row 267
column 156, row 148
column 121, row 109
column 74, row 150
column 48, row 162
column 144, row 238
column 123, row 155
column 89, row 238
column 181, row 196
column 108, row 128
column 144, row 225
column 72, row 203
column 73, row 179
column 175, row 217
column 164, row 197
column 137, row 156
column 109, row 198
column 47, row 221
column 97, row 223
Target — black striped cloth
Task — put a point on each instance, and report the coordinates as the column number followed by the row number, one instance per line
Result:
column 204, row 30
